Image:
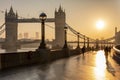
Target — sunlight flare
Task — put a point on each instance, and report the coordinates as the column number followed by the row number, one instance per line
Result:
column 100, row 24
column 100, row 64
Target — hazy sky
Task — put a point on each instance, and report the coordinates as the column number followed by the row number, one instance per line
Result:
column 82, row 15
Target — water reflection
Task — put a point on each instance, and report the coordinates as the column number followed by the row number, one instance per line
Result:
column 100, row 61
column 103, row 69
column 110, row 69
column 92, row 66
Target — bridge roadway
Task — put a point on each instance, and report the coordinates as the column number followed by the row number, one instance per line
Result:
column 92, row 66
column 34, row 20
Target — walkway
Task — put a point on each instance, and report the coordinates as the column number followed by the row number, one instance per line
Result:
column 92, row 66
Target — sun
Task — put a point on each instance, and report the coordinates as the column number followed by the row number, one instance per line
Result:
column 100, row 24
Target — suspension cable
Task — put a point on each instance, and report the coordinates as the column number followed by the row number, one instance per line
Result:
column 2, row 31
column 50, row 26
column 109, row 39
column 2, row 25
column 1, row 11
column 73, row 31
column 76, row 33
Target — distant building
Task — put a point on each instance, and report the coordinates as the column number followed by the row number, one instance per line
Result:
column 20, row 36
column 37, row 35
column 26, row 35
column 117, row 36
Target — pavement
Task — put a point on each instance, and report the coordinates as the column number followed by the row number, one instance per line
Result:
column 91, row 66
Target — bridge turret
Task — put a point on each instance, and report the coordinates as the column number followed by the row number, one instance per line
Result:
column 10, row 16
column 6, row 13
column 60, row 19
column 60, row 13
column 11, row 12
column 11, row 30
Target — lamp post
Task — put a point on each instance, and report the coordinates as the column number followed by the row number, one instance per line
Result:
column 42, row 17
column 87, row 43
column 78, row 35
column 65, row 45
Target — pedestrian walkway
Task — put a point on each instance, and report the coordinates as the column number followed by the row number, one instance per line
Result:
column 91, row 66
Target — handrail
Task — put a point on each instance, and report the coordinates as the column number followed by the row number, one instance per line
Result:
column 116, row 49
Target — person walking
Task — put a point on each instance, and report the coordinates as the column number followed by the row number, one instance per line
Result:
column 106, row 50
column 83, row 50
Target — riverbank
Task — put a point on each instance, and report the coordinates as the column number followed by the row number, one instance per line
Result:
column 13, row 59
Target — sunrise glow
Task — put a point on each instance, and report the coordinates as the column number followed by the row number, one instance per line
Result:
column 100, row 24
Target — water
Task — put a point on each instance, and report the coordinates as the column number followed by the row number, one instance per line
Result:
column 92, row 66
column 19, row 50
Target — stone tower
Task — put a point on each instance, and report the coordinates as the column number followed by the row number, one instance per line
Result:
column 60, row 19
column 117, row 36
column 11, row 30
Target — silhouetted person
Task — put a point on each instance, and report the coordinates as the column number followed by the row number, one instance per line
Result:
column 109, row 49
column 106, row 50
column 92, row 48
column 83, row 50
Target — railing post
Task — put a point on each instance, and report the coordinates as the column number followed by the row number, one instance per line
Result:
column 88, row 44
column 78, row 40
column 84, row 41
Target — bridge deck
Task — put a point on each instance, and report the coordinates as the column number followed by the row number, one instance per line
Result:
column 34, row 20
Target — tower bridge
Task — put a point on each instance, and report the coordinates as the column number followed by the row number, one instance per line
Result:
column 11, row 28
column 42, row 54
column 34, row 20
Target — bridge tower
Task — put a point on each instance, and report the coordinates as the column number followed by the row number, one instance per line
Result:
column 117, row 36
column 11, row 30
column 60, row 18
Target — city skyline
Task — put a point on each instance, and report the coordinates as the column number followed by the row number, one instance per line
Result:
column 82, row 15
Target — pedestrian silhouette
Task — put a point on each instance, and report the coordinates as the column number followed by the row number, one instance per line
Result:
column 109, row 49
column 83, row 50
column 106, row 50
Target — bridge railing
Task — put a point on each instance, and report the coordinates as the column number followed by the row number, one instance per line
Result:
column 117, row 48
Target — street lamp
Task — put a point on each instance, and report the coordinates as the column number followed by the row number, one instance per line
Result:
column 88, row 43
column 42, row 17
column 65, row 45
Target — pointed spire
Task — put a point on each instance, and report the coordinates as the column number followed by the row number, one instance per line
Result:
column 6, row 12
column 11, row 10
column 60, row 9
column 16, row 14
